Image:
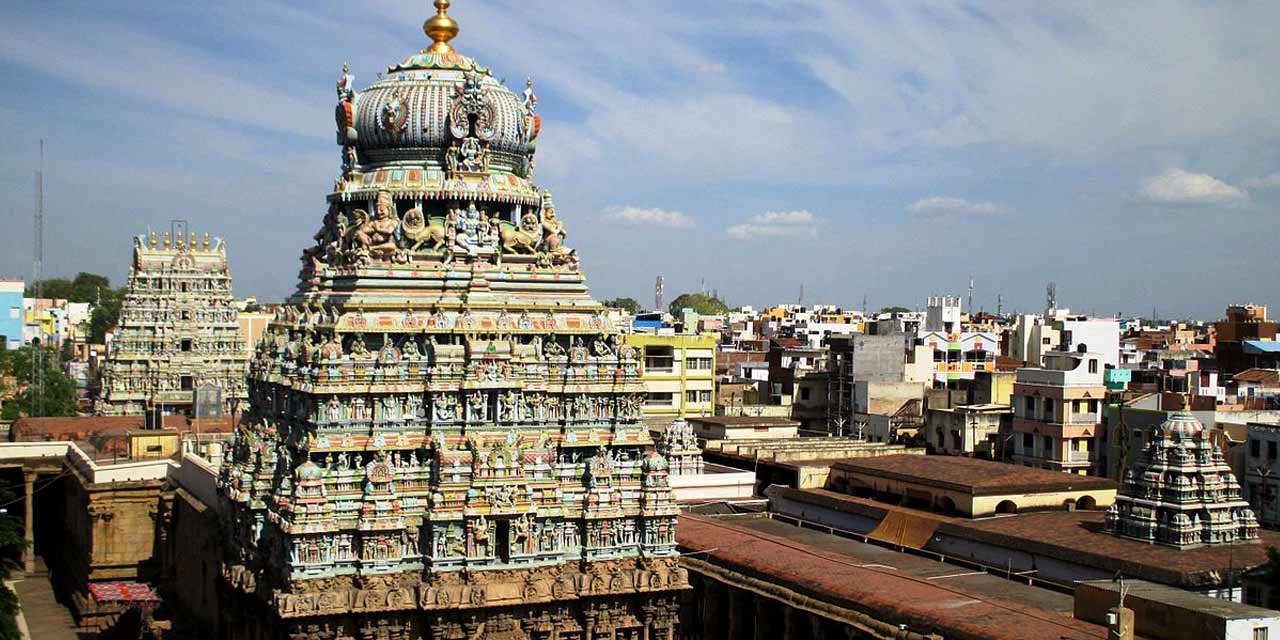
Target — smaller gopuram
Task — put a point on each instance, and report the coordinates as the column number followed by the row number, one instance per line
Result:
column 1180, row 491
column 177, row 330
column 680, row 447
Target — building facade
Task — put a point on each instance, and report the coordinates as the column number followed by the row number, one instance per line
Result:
column 678, row 374
column 1057, row 415
column 177, row 330
column 444, row 437
column 11, row 315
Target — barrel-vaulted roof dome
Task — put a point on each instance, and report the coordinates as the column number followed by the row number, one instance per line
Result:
column 411, row 115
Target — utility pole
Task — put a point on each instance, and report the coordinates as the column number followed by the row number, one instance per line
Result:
column 37, row 275
column 657, row 294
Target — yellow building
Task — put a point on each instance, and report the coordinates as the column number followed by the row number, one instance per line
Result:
column 678, row 374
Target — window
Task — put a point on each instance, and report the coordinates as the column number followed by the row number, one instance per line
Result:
column 187, row 383
column 1048, row 409
column 1028, row 441
column 1271, row 450
column 1259, row 633
column 697, row 395
column 1048, row 446
column 1093, row 365
column 1255, row 448
column 186, row 344
column 698, row 363
column 659, row 400
column 804, row 393
column 1031, row 407
column 1044, row 341
column 658, row 359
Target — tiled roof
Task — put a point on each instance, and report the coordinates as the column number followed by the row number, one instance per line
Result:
column 971, row 475
column 924, row 605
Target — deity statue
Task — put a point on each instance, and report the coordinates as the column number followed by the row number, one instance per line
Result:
column 377, row 235
column 553, row 234
column 466, row 225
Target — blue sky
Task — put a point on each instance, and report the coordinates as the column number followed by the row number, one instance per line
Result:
column 1126, row 151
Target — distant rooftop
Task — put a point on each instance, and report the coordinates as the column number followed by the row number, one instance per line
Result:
column 971, row 475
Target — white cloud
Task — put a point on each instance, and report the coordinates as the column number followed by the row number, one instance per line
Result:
column 1178, row 186
column 711, row 67
column 640, row 216
column 1264, row 182
column 775, row 224
column 783, row 217
column 938, row 206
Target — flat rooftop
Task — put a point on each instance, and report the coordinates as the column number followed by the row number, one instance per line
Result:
column 971, row 475
column 898, row 588
column 1075, row 537
column 1078, row 536
column 1183, row 599
column 745, row 421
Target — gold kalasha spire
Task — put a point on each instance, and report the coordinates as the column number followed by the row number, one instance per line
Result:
column 440, row 28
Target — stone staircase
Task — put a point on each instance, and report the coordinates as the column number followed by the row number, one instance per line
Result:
column 46, row 618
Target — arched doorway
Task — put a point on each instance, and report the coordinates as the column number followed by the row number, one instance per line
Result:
column 1087, row 503
column 945, row 505
column 1006, row 506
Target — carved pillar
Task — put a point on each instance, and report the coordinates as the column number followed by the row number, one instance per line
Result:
column 29, row 534
column 793, row 623
column 818, row 627
column 739, row 614
column 714, row 620
column 765, row 629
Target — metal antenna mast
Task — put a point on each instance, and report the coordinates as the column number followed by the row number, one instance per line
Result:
column 970, row 305
column 999, row 305
column 657, row 294
column 1050, row 300
column 37, row 275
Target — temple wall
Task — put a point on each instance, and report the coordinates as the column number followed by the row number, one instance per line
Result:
column 110, row 533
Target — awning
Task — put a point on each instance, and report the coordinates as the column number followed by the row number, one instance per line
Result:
column 127, row 593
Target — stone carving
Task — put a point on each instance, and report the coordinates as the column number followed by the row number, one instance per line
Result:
column 376, row 237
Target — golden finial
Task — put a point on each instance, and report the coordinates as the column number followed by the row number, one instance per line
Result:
column 440, row 28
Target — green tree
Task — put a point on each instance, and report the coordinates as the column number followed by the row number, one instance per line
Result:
column 12, row 545
column 626, row 304
column 895, row 310
column 702, row 303
column 59, row 397
column 105, row 315
column 85, row 287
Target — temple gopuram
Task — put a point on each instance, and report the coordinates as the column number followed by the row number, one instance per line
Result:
column 1180, row 491
column 177, row 330
column 443, row 438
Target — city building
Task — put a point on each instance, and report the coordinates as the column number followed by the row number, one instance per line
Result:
column 1245, row 338
column 177, row 331
column 1057, row 419
column 967, row 430
column 444, row 436
column 1161, row 611
column 11, row 313
column 1180, row 492
column 1262, row 472
column 678, row 374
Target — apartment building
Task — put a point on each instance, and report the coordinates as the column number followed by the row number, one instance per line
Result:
column 678, row 374
column 1058, row 419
